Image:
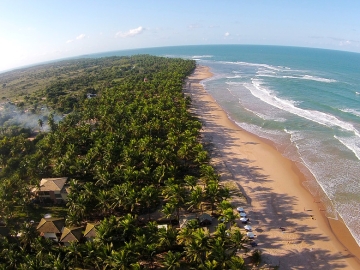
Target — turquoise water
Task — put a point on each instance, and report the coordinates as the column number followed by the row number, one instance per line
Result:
column 307, row 101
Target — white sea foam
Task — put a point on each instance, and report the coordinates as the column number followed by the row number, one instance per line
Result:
column 234, row 83
column 234, row 77
column 303, row 77
column 316, row 116
column 265, row 117
column 202, row 56
column 318, row 79
column 276, row 136
column 352, row 143
column 351, row 111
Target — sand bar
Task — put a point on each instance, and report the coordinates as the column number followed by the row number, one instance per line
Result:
column 274, row 195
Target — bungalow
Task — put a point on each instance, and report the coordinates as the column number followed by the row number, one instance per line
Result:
column 71, row 235
column 90, row 231
column 52, row 189
column 51, row 228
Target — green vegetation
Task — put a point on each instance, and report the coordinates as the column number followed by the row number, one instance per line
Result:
column 130, row 151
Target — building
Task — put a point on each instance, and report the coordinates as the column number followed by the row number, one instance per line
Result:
column 71, row 235
column 90, row 231
column 51, row 228
column 52, row 189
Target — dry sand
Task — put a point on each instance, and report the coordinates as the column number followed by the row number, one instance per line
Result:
column 274, row 195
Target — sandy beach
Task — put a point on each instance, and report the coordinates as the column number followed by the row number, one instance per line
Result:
column 274, row 196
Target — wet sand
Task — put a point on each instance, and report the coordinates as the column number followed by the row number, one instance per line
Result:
column 274, row 196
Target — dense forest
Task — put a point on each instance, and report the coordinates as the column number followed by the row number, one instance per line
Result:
column 119, row 128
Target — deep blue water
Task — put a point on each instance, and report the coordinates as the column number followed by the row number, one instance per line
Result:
column 307, row 101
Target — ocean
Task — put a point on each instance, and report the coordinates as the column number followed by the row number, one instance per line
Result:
column 306, row 101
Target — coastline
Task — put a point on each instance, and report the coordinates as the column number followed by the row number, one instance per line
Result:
column 275, row 195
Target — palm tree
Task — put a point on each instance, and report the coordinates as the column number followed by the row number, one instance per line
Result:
column 218, row 253
column 40, row 123
column 104, row 198
column 149, row 194
column 237, row 241
column 210, row 265
column 215, row 193
column 236, row 263
column 198, row 247
column 185, row 236
column 256, row 257
column 106, row 230
column 172, row 260
column 56, row 262
column 121, row 260
column 191, row 181
column 221, row 231
column 195, row 199
column 168, row 210
column 127, row 227
column 32, row 263
column 28, row 235
column 229, row 216
column 13, row 258
column 167, row 238
column 74, row 255
column 90, row 255
column 175, row 194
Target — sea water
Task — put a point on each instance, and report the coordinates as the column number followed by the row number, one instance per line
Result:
column 307, row 101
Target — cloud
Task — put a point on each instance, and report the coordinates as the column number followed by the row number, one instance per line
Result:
column 69, row 41
column 340, row 41
column 130, row 33
column 194, row 26
column 227, row 34
column 80, row 36
column 345, row 42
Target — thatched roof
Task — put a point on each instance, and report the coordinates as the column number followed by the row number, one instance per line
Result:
column 71, row 234
column 51, row 225
column 90, row 230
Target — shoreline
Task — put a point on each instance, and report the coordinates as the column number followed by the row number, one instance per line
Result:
column 276, row 195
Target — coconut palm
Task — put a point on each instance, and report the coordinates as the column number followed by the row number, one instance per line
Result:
column 40, row 123
column 167, row 238
column 236, row 263
column 198, row 247
column 195, row 199
column 172, row 260
column 104, row 198
column 74, row 256
column 149, row 195
column 121, row 260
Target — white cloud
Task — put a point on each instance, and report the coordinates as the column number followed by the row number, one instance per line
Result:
column 227, row 34
column 80, row 36
column 130, row 33
column 345, row 42
column 69, row 41
column 194, row 26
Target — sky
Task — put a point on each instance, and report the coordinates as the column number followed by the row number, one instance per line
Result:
column 38, row 30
